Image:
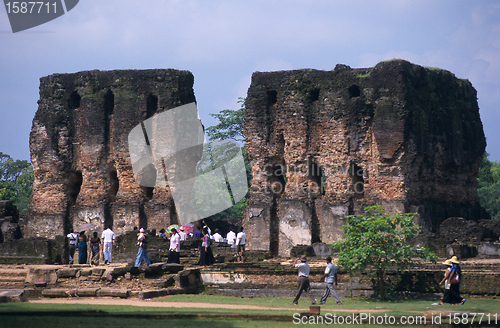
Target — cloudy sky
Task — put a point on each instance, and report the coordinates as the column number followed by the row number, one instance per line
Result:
column 223, row 42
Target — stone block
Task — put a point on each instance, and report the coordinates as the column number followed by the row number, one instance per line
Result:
column 42, row 274
column 107, row 275
column 172, row 267
column 67, row 272
column 111, row 292
column 87, row 292
column 59, row 292
column 489, row 249
column 15, row 295
column 98, row 271
column 120, row 271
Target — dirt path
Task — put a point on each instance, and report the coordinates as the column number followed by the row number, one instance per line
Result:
column 136, row 302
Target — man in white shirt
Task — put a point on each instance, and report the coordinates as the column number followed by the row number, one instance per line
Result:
column 108, row 239
column 182, row 234
column 303, row 284
column 241, row 240
column 73, row 239
column 231, row 238
column 175, row 248
column 217, row 237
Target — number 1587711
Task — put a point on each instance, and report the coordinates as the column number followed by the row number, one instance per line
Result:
column 38, row 7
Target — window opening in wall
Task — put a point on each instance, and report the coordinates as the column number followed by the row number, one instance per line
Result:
column 314, row 95
column 74, row 100
column 109, row 106
column 272, row 98
column 354, row 91
column 277, row 177
column 317, row 178
column 151, row 105
column 358, row 183
column 75, row 181
column 114, row 185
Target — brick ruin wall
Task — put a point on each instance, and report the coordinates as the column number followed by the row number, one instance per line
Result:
column 80, row 155
column 326, row 144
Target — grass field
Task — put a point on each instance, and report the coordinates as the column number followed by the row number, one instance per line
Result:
column 277, row 312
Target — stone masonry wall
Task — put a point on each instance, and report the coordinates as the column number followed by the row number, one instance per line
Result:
column 80, row 153
column 326, row 144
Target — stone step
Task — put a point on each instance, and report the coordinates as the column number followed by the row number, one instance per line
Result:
column 13, row 272
column 12, row 278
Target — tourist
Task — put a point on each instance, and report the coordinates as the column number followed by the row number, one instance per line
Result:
column 162, row 233
column 446, row 295
column 82, row 248
column 175, row 248
column 330, row 277
column 217, row 237
column 206, row 256
column 455, row 275
column 73, row 239
column 303, row 283
column 183, row 236
column 95, row 249
column 205, row 226
column 231, row 238
column 108, row 240
column 198, row 233
column 142, row 253
column 241, row 239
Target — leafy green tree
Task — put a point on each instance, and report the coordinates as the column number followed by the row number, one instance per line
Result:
column 16, row 181
column 488, row 186
column 379, row 241
column 230, row 127
column 230, row 124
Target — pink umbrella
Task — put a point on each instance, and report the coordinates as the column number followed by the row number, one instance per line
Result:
column 187, row 228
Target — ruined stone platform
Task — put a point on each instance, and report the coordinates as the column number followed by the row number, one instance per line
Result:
column 267, row 278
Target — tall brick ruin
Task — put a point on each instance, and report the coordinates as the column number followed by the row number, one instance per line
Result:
column 80, row 154
column 326, row 144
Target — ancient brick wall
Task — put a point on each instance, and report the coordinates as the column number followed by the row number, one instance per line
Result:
column 326, row 144
column 80, row 153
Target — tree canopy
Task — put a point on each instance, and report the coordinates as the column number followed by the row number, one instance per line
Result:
column 230, row 126
column 16, row 181
column 488, row 186
column 379, row 242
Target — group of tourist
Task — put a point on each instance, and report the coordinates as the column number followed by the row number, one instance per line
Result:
column 83, row 244
column 452, row 282
column 89, row 249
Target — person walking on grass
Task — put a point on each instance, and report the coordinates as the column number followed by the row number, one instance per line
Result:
column 303, row 283
column 330, row 277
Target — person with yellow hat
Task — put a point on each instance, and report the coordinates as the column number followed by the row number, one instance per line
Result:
column 446, row 295
column 454, row 279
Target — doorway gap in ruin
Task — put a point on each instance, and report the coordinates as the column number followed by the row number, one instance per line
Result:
column 74, row 100
column 75, row 181
column 354, row 91
column 357, row 180
column 151, row 105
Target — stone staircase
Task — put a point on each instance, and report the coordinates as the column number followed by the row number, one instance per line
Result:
column 13, row 276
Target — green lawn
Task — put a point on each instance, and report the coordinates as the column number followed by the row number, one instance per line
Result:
column 27, row 314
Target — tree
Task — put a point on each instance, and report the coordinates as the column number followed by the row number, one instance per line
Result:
column 379, row 241
column 16, row 181
column 230, row 127
column 488, row 186
column 230, row 124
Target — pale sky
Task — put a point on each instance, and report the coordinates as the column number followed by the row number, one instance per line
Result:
column 223, row 42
